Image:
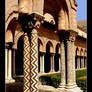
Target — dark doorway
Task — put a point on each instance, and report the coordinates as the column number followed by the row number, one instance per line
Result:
column 47, row 59
column 19, row 57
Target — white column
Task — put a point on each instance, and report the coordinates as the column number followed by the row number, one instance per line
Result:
column 52, row 63
column 62, row 68
column 6, row 59
column 10, row 66
column 42, row 63
column 82, row 62
column 73, row 64
column 69, row 64
column 13, row 62
column 78, row 62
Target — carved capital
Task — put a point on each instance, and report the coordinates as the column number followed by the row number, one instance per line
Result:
column 8, row 45
column 70, row 35
column 29, row 22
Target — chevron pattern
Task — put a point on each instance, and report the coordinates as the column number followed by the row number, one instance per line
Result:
column 26, row 64
column 34, row 62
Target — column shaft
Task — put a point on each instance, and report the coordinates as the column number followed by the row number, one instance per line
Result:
column 10, row 64
column 6, row 58
column 27, row 66
column 82, row 62
column 34, row 61
column 69, row 64
column 62, row 70
column 52, row 63
column 13, row 62
column 42, row 63
column 78, row 62
column 73, row 64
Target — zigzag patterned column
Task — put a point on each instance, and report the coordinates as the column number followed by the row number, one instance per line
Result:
column 26, row 64
column 34, row 61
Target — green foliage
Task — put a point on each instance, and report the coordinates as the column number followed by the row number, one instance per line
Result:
column 54, row 79
column 81, row 73
column 51, row 79
column 82, row 84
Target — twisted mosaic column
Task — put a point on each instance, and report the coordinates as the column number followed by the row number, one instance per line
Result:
column 34, row 61
column 26, row 63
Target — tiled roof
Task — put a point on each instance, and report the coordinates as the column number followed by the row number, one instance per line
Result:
column 82, row 24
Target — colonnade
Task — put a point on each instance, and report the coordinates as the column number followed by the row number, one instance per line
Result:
column 52, row 63
column 66, row 64
column 8, row 65
column 81, row 62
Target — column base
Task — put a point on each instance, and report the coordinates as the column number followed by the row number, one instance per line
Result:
column 61, row 88
column 9, row 80
column 74, row 89
column 51, row 71
column 71, row 88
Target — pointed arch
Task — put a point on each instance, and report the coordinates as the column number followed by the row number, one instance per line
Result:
column 77, row 52
column 40, row 44
column 51, row 46
column 82, row 52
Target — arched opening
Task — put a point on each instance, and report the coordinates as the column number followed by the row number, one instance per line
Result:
column 40, row 49
column 57, row 57
column 47, row 58
column 76, row 57
column 19, row 57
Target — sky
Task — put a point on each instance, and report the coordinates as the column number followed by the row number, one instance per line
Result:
column 81, row 9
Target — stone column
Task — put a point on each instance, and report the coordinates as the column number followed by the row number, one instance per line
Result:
column 82, row 62
column 6, row 63
column 78, row 62
column 34, row 61
column 59, row 64
column 10, row 66
column 42, row 63
column 71, row 74
column 69, row 64
column 73, row 64
column 13, row 62
column 62, row 68
column 27, row 66
column 52, row 63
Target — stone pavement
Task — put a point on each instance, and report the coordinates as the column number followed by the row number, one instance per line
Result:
column 45, row 88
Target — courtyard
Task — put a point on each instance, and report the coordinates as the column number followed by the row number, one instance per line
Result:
column 52, row 80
